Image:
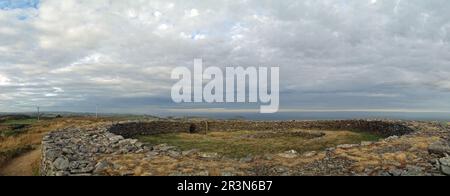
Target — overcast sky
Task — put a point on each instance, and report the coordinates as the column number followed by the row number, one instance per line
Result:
column 70, row 55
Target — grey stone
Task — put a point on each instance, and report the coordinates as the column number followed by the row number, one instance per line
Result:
column 125, row 142
column 152, row 154
column 413, row 171
column 61, row 173
column 268, row 157
column 331, row 149
column 365, row 143
column 179, row 174
column 163, row 147
column 347, row 146
column 116, row 138
column 61, row 164
column 445, row 165
column 247, row 159
column 138, row 144
column 394, row 137
column 440, row 148
column 445, row 170
column 396, row 172
column 51, row 155
column 281, row 169
column 84, row 170
column 189, row 152
column 133, row 141
column 209, row 155
column 289, row 154
column 101, row 166
column 384, row 174
column 126, row 173
column 74, row 165
column 310, row 154
column 202, row 173
column 138, row 151
column 174, row 154
column 80, row 174
column 94, row 150
column 67, row 151
column 227, row 173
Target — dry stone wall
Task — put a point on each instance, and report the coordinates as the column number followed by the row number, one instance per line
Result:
column 76, row 151
column 382, row 128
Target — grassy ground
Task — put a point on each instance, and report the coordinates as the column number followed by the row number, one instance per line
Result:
column 15, row 127
column 243, row 143
column 14, row 137
column 20, row 122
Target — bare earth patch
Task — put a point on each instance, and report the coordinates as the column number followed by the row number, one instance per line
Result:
column 24, row 165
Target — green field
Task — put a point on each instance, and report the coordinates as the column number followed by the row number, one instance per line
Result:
column 14, row 127
column 20, row 122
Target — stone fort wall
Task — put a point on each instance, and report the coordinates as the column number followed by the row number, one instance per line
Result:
column 77, row 151
column 382, row 128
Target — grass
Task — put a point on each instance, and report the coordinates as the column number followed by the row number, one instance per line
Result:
column 13, row 130
column 15, row 127
column 20, row 122
column 36, row 168
column 240, row 144
column 444, row 124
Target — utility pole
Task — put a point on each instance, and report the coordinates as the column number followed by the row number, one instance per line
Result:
column 38, row 114
column 206, row 127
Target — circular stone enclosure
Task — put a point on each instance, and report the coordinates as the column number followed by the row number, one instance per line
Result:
column 79, row 151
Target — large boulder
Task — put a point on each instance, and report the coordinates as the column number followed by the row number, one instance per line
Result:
column 445, row 165
column 441, row 148
column 61, row 164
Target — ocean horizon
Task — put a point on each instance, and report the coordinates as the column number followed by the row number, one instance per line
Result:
column 420, row 116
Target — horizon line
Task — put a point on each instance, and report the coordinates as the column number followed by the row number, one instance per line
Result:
column 226, row 110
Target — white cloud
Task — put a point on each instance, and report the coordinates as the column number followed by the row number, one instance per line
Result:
column 4, row 80
column 163, row 27
column 192, row 13
column 199, row 36
column 157, row 14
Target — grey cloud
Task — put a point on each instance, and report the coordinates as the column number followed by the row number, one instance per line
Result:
column 332, row 53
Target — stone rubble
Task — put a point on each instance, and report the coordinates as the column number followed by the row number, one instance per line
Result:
column 75, row 151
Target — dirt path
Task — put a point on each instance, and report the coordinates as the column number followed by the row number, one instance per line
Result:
column 22, row 165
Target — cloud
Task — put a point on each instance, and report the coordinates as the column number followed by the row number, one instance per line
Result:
column 4, row 80
column 333, row 54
